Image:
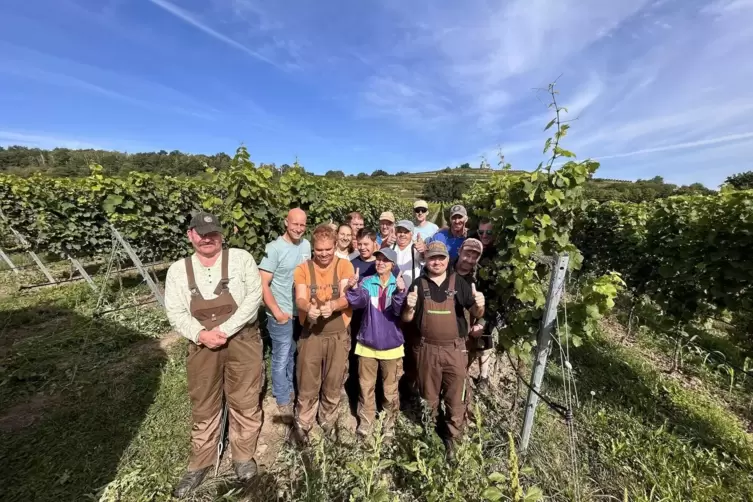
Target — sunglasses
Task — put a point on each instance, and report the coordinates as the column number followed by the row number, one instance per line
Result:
column 420, row 210
column 485, row 232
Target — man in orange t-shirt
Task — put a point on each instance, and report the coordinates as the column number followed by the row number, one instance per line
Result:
column 320, row 286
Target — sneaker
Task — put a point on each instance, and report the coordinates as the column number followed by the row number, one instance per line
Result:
column 245, row 470
column 190, row 481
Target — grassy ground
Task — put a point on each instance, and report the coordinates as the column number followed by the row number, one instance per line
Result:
column 97, row 408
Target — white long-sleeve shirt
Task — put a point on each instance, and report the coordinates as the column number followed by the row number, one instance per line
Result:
column 244, row 285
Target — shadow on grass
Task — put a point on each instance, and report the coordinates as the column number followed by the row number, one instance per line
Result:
column 74, row 393
column 623, row 383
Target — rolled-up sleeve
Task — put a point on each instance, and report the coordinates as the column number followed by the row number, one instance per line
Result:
column 177, row 307
column 248, row 308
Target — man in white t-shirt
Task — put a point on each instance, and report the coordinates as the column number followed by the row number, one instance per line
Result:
column 408, row 258
column 423, row 228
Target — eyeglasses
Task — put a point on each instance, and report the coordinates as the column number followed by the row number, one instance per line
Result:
column 419, row 210
column 485, row 232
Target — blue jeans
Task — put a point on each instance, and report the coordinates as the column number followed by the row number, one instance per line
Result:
column 283, row 359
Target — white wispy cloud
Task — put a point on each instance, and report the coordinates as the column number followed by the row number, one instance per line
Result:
column 681, row 146
column 42, row 140
column 194, row 21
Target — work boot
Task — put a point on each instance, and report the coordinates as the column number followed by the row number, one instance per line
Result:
column 190, row 481
column 363, row 430
column 301, row 437
column 483, row 384
column 286, row 412
column 449, row 453
column 327, row 429
column 245, row 470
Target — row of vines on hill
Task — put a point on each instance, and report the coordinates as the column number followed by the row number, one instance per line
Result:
column 691, row 255
column 70, row 216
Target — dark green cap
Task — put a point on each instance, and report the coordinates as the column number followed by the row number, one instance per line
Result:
column 205, row 223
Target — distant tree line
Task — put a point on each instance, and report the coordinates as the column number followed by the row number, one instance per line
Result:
column 639, row 191
column 65, row 162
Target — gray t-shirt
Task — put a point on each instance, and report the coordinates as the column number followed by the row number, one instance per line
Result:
column 280, row 259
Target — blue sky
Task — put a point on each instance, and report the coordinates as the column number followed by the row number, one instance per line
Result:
column 658, row 87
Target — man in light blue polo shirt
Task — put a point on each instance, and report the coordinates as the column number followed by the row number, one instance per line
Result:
column 281, row 258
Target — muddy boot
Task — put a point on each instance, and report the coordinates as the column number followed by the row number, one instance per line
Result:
column 449, row 454
column 363, row 430
column 327, row 430
column 245, row 470
column 483, row 384
column 286, row 413
column 190, row 481
column 301, row 437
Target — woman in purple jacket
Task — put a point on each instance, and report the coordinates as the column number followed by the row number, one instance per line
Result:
column 379, row 341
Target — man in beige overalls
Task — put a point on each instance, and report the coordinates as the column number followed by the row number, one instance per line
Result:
column 212, row 298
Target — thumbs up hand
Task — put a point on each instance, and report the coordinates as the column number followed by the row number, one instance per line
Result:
column 353, row 281
column 478, row 298
column 420, row 244
column 314, row 311
column 400, row 283
column 412, row 298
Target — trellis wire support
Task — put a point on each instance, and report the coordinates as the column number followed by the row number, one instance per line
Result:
column 83, row 272
column 543, row 345
column 21, row 240
column 7, row 260
column 140, row 266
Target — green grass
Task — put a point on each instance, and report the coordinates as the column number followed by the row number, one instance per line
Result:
column 98, row 407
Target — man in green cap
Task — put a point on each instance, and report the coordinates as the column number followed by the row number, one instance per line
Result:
column 212, row 298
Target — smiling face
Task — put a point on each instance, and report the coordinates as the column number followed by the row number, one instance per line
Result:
column 404, row 237
column 457, row 224
column 295, row 224
column 344, row 237
column 386, row 227
column 383, row 265
column 356, row 224
column 421, row 214
column 366, row 248
column 437, row 265
column 324, row 251
column 485, row 234
column 467, row 259
column 206, row 245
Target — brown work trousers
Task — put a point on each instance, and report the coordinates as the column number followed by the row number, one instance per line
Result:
column 442, row 368
column 237, row 369
column 392, row 370
column 321, row 364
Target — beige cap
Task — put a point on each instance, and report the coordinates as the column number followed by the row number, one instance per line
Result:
column 420, row 203
column 387, row 215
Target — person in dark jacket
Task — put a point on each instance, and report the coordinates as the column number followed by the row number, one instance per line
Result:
column 379, row 341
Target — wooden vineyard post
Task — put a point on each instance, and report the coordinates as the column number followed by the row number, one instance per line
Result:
column 543, row 345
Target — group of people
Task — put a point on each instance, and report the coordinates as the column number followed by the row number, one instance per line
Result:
column 404, row 301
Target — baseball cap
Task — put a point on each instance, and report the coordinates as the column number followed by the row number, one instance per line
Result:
column 473, row 245
column 436, row 248
column 205, row 223
column 458, row 209
column 408, row 225
column 388, row 253
column 387, row 215
column 420, row 203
